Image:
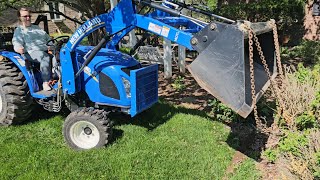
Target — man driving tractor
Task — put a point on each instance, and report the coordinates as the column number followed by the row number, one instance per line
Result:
column 31, row 42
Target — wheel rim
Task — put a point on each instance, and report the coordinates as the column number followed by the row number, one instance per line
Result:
column 84, row 134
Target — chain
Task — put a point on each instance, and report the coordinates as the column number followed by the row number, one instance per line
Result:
column 252, row 80
column 277, row 89
column 285, row 114
column 266, row 68
column 277, row 46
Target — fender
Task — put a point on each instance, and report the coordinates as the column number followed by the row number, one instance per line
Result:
column 18, row 60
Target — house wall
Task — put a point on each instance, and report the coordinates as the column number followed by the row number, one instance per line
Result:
column 311, row 23
column 63, row 26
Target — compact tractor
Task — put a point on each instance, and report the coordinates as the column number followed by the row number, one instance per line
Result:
column 95, row 80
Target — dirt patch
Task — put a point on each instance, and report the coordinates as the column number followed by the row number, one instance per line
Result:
column 269, row 171
column 237, row 159
column 190, row 96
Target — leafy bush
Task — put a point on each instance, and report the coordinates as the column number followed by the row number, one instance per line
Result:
column 299, row 122
column 271, row 155
column 300, row 152
column 308, row 51
column 125, row 50
column 266, row 105
column 178, row 84
column 289, row 14
column 293, row 142
column 317, row 170
column 298, row 96
column 221, row 111
column 316, row 107
column 306, row 120
column 212, row 4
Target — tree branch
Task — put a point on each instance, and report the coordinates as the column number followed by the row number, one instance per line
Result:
column 59, row 13
column 9, row 6
column 74, row 5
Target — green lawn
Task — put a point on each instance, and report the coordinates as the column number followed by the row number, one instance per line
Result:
column 164, row 142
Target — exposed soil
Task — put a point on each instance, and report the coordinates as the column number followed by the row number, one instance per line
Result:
column 244, row 136
column 192, row 96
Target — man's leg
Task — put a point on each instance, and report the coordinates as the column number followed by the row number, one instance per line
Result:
column 55, row 68
column 45, row 67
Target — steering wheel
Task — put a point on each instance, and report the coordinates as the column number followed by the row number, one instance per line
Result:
column 57, row 44
column 55, row 40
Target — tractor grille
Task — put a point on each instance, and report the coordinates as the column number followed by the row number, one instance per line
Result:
column 144, row 88
column 128, row 69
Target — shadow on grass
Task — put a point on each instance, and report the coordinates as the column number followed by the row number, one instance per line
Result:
column 151, row 118
column 243, row 137
column 159, row 114
column 246, row 138
column 41, row 114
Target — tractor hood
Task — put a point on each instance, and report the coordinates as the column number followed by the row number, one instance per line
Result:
column 106, row 57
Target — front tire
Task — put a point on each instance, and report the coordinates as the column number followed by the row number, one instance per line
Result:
column 16, row 103
column 87, row 128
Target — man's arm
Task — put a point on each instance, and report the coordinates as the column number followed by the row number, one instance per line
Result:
column 18, row 41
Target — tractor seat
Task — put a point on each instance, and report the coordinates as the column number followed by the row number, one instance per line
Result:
column 31, row 65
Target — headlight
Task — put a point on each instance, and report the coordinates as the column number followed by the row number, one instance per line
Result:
column 127, row 86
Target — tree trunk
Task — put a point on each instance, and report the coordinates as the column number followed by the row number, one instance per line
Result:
column 97, row 8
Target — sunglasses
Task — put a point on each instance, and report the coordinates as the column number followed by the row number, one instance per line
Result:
column 29, row 16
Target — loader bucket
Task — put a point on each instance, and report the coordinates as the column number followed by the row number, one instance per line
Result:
column 222, row 67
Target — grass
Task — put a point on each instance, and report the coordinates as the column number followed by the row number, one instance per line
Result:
column 165, row 142
column 245, row 171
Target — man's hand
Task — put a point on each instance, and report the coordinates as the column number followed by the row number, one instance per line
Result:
column 50, row 49
column 20, row 50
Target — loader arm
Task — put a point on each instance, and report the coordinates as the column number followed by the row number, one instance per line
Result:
column 222, row 66
column 164, row 30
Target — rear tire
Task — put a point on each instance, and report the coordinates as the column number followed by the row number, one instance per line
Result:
column 16, row 103
column 87, row 128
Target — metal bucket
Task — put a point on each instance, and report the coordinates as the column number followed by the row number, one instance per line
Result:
column 222, row 67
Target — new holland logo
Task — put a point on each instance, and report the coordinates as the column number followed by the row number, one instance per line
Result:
column 92, row 23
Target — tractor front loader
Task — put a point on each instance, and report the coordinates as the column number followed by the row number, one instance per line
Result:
column 95, row 80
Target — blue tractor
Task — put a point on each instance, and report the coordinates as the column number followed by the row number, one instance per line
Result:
column 94, row 80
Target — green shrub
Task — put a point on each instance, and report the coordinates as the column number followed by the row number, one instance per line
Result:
column 300, row 152
column 316, row 106
column 316, row 166
column 266, row 105
column 85, row 41
column 289, row 14
column 308, row 51
column 125, row 50
column 298, row 95
column 178, row 84
column 306, row 120
column 293, row 142
column 271, row 155
column 212, row 4
column 303, row 74
column 221, row 111
column 318, row 158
